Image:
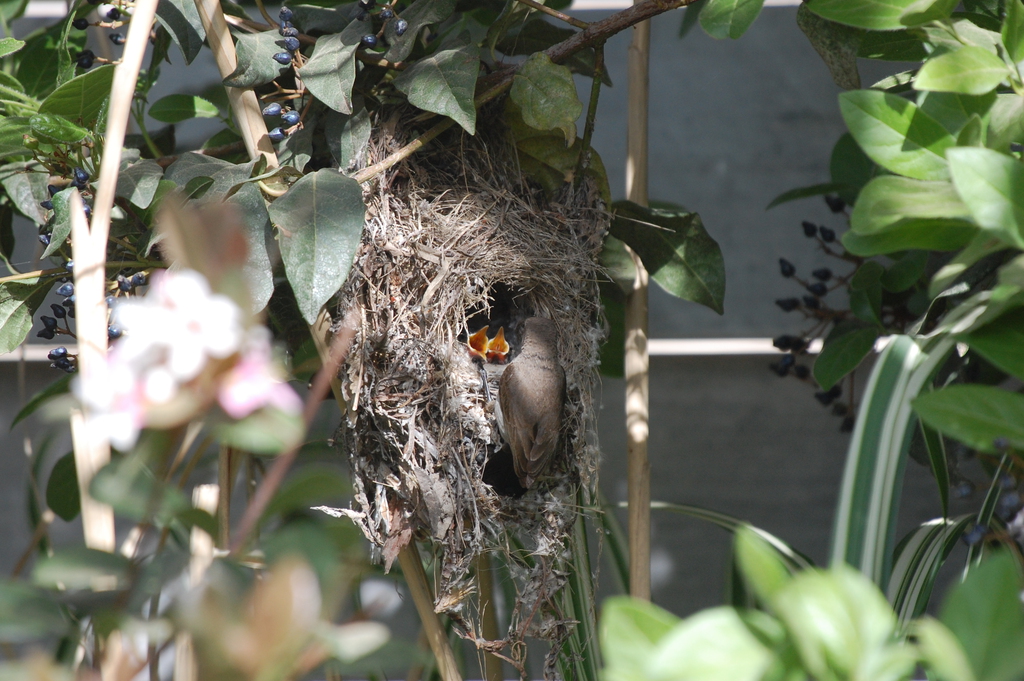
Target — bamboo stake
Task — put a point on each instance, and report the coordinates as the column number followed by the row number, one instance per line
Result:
column 244, row 103
column 416, row 579
column 488, row 616
column 205, row 498
column 637, row 359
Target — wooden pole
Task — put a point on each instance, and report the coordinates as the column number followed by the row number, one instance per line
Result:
column 488, row 616
column 637, row 359
column 416, row 580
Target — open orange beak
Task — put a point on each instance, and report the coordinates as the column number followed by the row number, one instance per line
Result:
column 497, row 347
column 478, row 344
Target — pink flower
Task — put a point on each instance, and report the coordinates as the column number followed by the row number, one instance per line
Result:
column 254, row 382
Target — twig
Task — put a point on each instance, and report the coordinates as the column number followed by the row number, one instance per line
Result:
column 41, row 527
column 637, row 358
column 588, row 129
column 405, row 152
column 216, row 152
column 488, row 615
column 339, row 349
column 416, row 580
column 573, row 21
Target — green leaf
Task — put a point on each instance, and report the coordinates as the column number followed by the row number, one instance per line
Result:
column 982, row 245
column 905, row 272
column 974, row 414
column 58, row 387
column 131, row 488
column 296, row 149
column 331, row 70
column 258, row 269
column 676, row 249
column 38, row 61
column 139, row 181
column 444, row 83
column 62, row 495
column 850, row 168
column 266, row 431
column 843, row 351
column 896, row 135
column 876, row 15
column 10, row 46
column 61, row 222
column 929, row 235
column 321, row 222
column 77, row 568
column 537, row 35
column 807, row 192
column 835, row 43
column 952, row 110
column 178, row 108
column 892, row 46
column 546, row 96
column 729, row 18
column 713, row 644
column 992, row 186
column 925, row 11
column 12, row 130
column 890, row 199
column 941, row 651
column 82, row 97
column 25, row 185
column 1001, row 342
column 984, row 612
column 630, row 631
column 970, row 71
column 613, row 356
column 28, row 615
column 19, row 301
column 1013, row 30
column 922, row 552
column 56, row 129
column 1005, row 122
column 308, row 487
column 347, row 137
column 760, row 563
column 314, row 20
column 256, row 65
column 419, row 14
column 182, row 21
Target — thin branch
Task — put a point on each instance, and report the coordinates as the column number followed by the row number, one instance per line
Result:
column 419, row 588
column 573, row 21
column 215, row 152
column 588, row 128
column 370, row 172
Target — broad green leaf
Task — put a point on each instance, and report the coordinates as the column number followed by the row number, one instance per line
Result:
column 992, row 186
column 10, row 46
column 62, row 495
column 924, row 11
column 347, row 137
column 331, row 70
column 82, row 97
column 537, row 35
column 691, row 16
column 267, row 431
column 985, row 614
column 444, row 83
column 835, row 43
column 842, row 352
column 419, row 14
column 19, row 300
column 1001, row 342
column 77, row 568
column 130, row 487
column 876, row 15
column 970, row 71
column 729, row 18
column 38, row 61
column 711, row 645
column 896, row 135
column 928, row 235
column 25, row 185
column 30, row 616
column 941, row 652
column 320, row 222
column 974, row 414
column 613, row 301
column 310, row 486
column 888, row 199
column 546, row 96
column 258, row 233
column 892, row 46
column 952, row 110
column 296, row 149
column 61, row 229
column 760, row 563
column 982, row 245
column 1005, row 122
column 865, row 296
column 182, row 21
column 314, row 20
column 58, row 387
column 905, row 272
column 12, row 131
column 1013, row 30
column 139, row 181
column 630, row 631
column 676, row 249
column 973, row 134
column 807, row 192
column 256, row 65
column 56, row 129
column 850, row 167
column 177, row 108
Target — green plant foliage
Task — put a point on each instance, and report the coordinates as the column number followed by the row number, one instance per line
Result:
column 991, row 184
column 970, row 71
column 19, row 301
column 331, row 71
column 844, row 349
column 546, row 96
column 181, row 19
column 177, row 108
column 62, row 494
column 877, row 15
column 256, row 65
column 80, row 98
column 975, row 414
column 444, row 82
column 729, row 18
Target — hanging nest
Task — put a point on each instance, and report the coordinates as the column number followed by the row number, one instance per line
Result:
column 458, row 239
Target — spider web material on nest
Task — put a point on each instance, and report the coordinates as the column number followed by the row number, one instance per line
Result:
column 447, row 231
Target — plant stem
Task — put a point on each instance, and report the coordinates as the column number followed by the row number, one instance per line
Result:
column 405, row 152
column 416, row 580
column 573, row 21
column 488, row 615
column 588, row 129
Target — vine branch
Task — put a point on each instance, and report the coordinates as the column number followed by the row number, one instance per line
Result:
column 573, row 21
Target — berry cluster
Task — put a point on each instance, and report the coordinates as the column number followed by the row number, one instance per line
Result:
column 110, row 16
column 1009, row 506
column 77, row 178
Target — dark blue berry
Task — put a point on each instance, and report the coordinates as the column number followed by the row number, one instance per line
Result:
column 974, row 535
column 66, row 290
column 801, row 371
column 401, row 26
column 52, row 189
column 847, row 425
column 69, row 266
column 285, row 14
column 117, row 38
column 963, row 489
column 58, row 311
column 48, row 334
column 276, row 135
column 812, row 303
column 138, row 279
column 787, row 361
column 1001, row 443
column 81, row 23
column 1008, row 505
column 113, row 332
column 788, row 304
column 57, row 353
column 114, row 14
column 835, row 204
column 62, row 363
column 48, row 322
column 285, row 24
column 822, row 273
column 71, row 312
column 780, row 370
column 786, row 268
column 85, row 59
column 810, row 229
column 68, row 302
column 81, row 178
column 369, row 41
column 785, row 342
column 44, row 239
column 386, row 13
column 87, row 209
column 273, row 109
column 1007, row 481
column 124, row 283
column 48, row 205
column 827, row 235
column 290, row 117
column 290, row 44
column 111, row 301
column 818, row 288
column 289, row 32
column 283, row 58
column 825, row 398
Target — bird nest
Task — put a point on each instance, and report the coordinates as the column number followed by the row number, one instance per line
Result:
column 457, row 239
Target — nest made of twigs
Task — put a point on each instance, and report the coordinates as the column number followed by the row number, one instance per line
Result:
column 457, row 238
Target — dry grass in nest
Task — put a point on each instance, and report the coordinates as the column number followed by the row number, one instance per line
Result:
column 456, row 236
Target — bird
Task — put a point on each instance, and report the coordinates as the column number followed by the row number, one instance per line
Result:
column 531, row 395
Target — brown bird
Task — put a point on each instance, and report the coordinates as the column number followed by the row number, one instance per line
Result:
column 531, row 393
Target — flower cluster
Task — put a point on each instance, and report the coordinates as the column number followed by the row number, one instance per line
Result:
column 183, row 348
